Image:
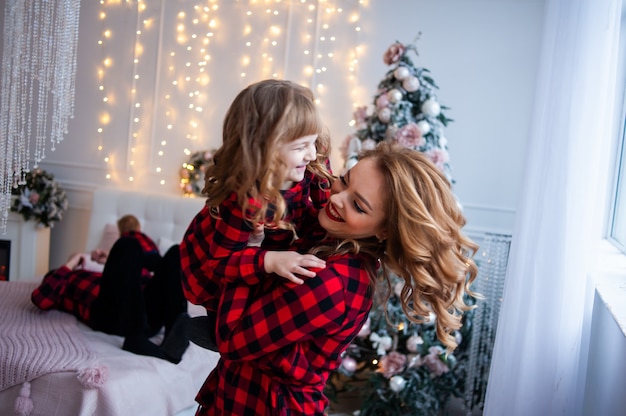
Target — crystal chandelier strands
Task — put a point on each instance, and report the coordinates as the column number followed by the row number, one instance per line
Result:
column 38, row 85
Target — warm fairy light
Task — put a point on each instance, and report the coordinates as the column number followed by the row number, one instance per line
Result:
column 185, row 65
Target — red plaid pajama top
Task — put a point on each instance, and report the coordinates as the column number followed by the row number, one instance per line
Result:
column 215, row 250
column 280, row 341
column 74, row 291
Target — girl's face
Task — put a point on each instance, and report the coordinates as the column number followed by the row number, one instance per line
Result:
column 296, row 155
column 356, row 206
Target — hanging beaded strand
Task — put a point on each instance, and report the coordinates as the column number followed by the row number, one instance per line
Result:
column 38, row 70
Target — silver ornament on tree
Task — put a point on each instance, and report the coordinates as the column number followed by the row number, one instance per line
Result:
column 431, row 107
column 394, row 95
column 424, row 127
column 401, row 73
column 411, row 84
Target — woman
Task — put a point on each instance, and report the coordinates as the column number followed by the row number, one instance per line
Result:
column 279, row 341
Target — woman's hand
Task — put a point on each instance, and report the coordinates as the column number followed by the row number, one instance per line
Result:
column 288, row 264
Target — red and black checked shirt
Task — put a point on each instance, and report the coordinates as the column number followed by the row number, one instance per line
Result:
column 215, row 250
column 74, row 291
column 280, row 341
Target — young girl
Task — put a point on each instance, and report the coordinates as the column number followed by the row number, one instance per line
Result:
column 271, row 172
column 278, row 342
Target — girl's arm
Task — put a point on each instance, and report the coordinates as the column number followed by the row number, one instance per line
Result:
column 253, row 323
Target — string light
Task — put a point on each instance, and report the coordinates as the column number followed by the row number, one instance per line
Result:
column 303, row 40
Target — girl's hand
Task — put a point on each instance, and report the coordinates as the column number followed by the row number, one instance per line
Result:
column 289, row 264
column 99, row 256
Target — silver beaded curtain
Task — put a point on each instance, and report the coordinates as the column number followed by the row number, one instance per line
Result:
column 38, row 71
column 492, row 264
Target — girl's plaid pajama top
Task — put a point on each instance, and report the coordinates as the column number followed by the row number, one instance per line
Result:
column 279, row 341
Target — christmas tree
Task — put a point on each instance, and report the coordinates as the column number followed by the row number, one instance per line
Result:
column 397, row 366
column 406, row 111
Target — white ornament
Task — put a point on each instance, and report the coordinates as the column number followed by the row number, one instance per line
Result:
column 397, row 383
column 431, row 107
column 349, row 364
column 365, row 329
column 394, row 95
column 413, row 342
column 443, row 141
column 411, row 83
column 424, row 127
column 430, row 319
column 401, row 73
column 368, row 144
column 354, row 147
column 458, row 338
column 382, row 344
column 384, row 115
column 397, row 289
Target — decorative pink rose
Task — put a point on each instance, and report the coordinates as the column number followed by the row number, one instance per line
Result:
column 33, row 198
column 393, row 53
column 439, row 157
column 434, row 363
column 392, row 363
column 410, row 136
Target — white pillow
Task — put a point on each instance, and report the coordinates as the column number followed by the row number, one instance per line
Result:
column 164, row 244
column 109, row 237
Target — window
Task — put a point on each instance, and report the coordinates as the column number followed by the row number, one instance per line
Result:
column 617, row 226
column 618, row 222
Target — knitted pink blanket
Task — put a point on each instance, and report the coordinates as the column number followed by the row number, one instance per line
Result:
column 34, row 342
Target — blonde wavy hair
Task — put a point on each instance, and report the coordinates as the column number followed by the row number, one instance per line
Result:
column 424, row 246
column 263, row 117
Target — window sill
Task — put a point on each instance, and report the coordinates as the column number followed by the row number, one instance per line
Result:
column 610, row 281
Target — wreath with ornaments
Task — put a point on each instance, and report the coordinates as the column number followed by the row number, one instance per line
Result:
column 192, row 172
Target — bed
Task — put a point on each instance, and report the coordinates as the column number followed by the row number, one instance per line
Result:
column 51, row 364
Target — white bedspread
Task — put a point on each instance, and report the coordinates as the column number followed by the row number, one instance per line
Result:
column 136, row 385
column 35, row 342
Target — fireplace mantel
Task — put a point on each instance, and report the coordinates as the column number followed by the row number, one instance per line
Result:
column 30, row 248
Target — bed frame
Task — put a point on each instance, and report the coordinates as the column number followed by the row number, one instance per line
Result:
column 134, row 384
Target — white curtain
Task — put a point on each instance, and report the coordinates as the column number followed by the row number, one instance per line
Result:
column 539, row 354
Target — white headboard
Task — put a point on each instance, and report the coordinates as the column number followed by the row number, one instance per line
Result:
column 161, row 216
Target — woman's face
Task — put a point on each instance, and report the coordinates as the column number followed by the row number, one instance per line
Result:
column 356, row 206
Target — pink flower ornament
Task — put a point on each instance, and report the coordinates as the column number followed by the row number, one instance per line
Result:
column 410, row 135
column 393, row 363
column 439, row 157
column 393, row 53
column 434, row 363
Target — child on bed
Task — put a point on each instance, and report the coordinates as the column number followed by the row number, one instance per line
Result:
column 270, row 175
column 137, row 293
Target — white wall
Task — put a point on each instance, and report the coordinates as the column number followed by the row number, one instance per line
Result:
column 482, row 53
